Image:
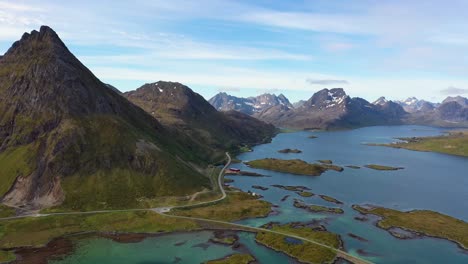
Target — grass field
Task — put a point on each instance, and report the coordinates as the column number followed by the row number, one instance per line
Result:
column 422, row 221
column 236, row 206
column 234, row 259
column 455, row 143
column 39, row 231
column 303, row 251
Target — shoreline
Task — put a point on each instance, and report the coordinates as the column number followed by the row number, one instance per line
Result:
column 417, row 234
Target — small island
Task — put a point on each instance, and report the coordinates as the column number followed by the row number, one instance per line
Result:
column 291, row 188
column 353, row 167
column 295, row 166
column 330, row 199
column 305, row 194
column 234, row 259
column 305, row 252
column 420, row 221
column 312, row 136
column 382, row 167
column 317, row 208
column 454, row 143
column 259, row 187
column 224, row 237
column 326, row 161
column 288, row 150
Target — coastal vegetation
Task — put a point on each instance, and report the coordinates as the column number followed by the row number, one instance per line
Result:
column 421, row 221
column 236, row 206
column 330, row 199
column 305, row 194
column 295, row 166
column 317, row 208
column 37, row 232
column 291, row 188
column 234, row 259
column 382, row 167
column 301, row 250
column 454, row 143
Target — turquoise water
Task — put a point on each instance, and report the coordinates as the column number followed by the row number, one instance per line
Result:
column 429, row 181
column 193, row 247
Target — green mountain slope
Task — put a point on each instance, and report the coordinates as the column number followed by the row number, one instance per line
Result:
column 181, row 109
column 67, row 138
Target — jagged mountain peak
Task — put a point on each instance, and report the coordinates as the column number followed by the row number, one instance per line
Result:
column 44, row 41
column 380, row 101
column 327, row 98
column 251, row 105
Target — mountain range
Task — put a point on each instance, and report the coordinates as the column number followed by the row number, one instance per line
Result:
column 334, row 109
column 69, row 140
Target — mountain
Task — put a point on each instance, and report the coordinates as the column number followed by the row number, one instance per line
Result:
column 67, row 139
column 458, row 99
column 453, row 109
column 412, row 104
column 251, row 105
column 299, row 103
column 180, row 108
column 452, row 112
column 380, row 101
column 334, row 109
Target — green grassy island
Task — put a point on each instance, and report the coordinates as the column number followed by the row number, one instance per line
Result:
column 303, row 251
column 295, row 166
column 421, row 221
column 382, row 167
column 330, row 199
column 454, row 143
column 234, row 259
column 305, row 194
column 317, row 208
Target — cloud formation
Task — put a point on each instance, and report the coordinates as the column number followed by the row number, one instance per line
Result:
column 451, row 90
column 325, row 81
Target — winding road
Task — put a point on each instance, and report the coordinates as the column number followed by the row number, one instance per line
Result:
column 164, row 210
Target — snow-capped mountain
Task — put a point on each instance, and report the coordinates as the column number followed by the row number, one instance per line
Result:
column 413, row 104
column 380, row 101
column 250, row 105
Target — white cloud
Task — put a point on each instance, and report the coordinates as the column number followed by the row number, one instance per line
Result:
column 451, row 90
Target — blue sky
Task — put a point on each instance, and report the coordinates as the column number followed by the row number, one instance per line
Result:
column 371, row 48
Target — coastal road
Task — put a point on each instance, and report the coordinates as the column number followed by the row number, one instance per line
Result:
column 164, row 210
column 220, row 186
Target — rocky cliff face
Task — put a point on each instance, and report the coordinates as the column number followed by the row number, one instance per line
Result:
column 66, row 138
column 180, row 108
